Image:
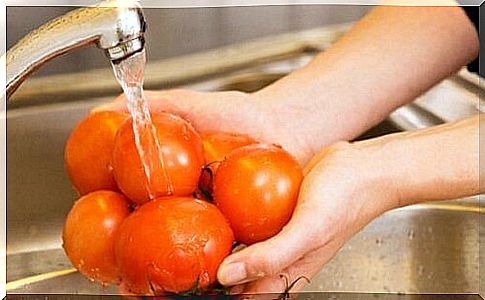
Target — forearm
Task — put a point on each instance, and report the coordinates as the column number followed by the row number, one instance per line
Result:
column 438, row 163
column 389, row 58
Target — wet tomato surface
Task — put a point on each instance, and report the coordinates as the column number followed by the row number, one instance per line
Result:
column 171, row 245
column 90, row 231
column 217, row 145
column 256, row 188
column 89, row 149
column 183, row 159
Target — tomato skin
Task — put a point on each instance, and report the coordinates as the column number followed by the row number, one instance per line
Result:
column 89, row 234
column 217, row 145
column 88, row 152
column 183, row 159
column 167, row 243
column 256, row 188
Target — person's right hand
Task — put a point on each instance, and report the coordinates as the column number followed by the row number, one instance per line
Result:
column 343, row 190
column 345, row 187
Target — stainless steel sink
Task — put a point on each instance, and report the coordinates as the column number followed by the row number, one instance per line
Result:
column 431, row 248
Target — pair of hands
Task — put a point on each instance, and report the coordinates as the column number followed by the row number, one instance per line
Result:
column 348, row 185
column 338, row 196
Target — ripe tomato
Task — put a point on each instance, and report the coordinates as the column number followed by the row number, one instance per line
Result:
column 217, row 145
column 89, row 234
column 256, row 188
column 183, row 158
column 170, row 244
column 88, row 152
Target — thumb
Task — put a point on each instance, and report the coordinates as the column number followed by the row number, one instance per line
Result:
column 270, row 257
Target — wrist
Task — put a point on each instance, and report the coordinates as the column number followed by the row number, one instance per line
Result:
column 348, row 179
column 378, row 174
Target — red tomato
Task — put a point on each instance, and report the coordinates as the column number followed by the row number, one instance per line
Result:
column 182, row 154
column 89, row 234
column 256, row 188
column 217, row 145
column 89, row 149
column 170, row 244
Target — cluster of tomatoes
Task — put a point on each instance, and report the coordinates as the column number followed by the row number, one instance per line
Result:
column 221, row 188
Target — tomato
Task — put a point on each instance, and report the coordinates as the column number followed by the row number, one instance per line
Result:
column 89, row 234
column 88, row 152
column 170, row 244
column 217, row 145
column 256, row 188
column 183, row 160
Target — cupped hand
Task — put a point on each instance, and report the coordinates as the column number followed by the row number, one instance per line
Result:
column 341, row 193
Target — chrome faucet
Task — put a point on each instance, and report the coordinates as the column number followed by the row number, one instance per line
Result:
column 117, row 27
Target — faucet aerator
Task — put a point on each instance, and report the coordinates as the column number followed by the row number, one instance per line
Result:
column 125, row 49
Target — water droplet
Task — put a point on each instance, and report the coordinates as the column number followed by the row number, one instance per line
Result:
column 420, row 270
column 186, row 133
column 411, row 234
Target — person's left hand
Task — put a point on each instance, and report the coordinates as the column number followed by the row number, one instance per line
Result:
column 343, row 190
column 262, row 118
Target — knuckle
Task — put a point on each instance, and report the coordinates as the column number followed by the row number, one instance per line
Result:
column 264, row 266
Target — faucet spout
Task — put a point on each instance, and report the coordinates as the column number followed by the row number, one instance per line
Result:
column 117, row 27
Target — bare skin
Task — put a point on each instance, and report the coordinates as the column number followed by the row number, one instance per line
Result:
column 388, row 59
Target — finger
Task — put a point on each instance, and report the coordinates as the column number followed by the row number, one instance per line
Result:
column 308, row 266
column 302, row 234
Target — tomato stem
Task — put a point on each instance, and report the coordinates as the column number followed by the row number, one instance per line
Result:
column 288, row 286
column 206, row 189
column 197, row 291
column 213, row 162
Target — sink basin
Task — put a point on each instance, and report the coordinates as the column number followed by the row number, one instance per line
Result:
column 432, row 248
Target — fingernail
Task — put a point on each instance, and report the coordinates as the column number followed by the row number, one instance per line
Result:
column 232, row 273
